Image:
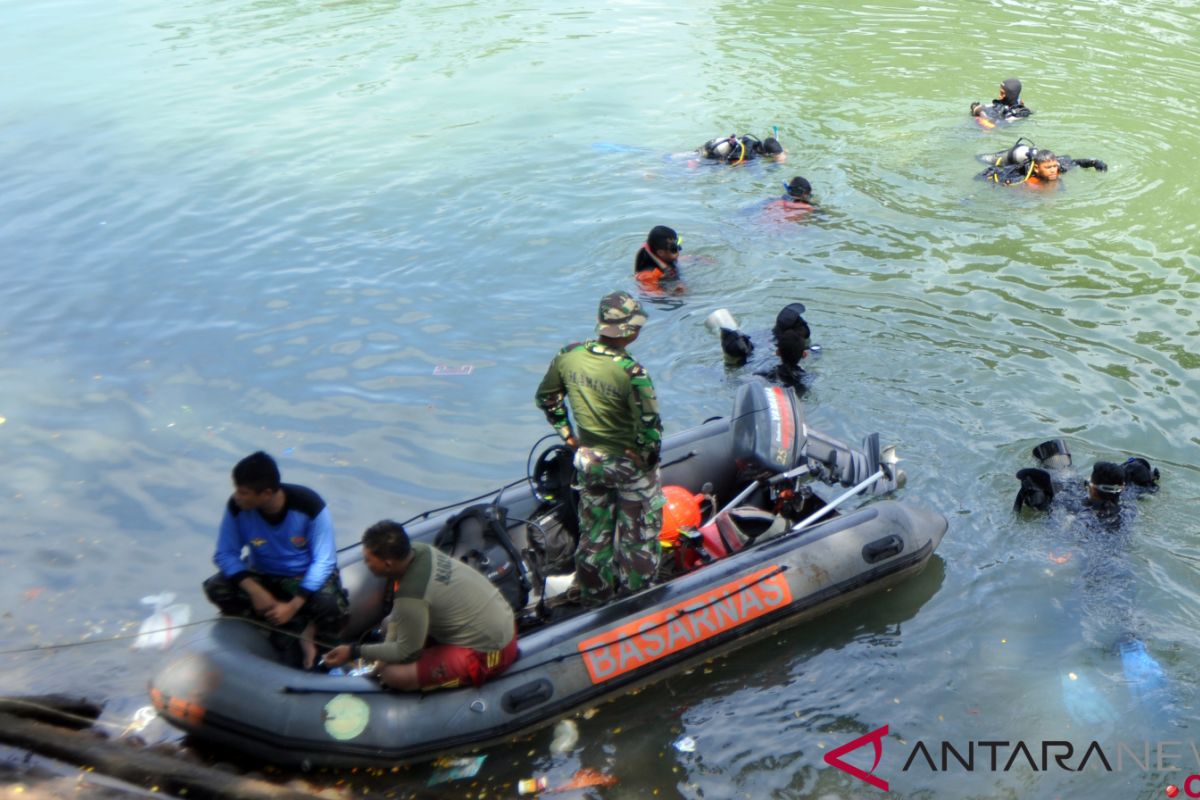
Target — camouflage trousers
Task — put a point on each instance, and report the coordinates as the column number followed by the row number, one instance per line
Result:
column 327, row 607
column 620, row 515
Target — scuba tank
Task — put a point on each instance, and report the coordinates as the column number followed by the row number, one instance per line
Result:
column 1023, row 150
column 720, row 148
column 1021, row 154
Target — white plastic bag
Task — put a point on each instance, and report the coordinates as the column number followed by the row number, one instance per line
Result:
column 160, row 628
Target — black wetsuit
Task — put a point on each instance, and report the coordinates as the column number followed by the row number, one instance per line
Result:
column 1101, row 531
column 1007, row 110
column 1001, row 111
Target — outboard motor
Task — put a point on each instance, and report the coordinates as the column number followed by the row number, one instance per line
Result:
column 769, row 433
column 767, row 427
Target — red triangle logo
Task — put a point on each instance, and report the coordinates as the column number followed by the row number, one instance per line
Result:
column 834, row 757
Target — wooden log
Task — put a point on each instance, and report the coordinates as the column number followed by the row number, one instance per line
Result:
column 58, row 709
column 154, row 771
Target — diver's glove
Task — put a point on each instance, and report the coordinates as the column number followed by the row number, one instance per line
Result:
column 1094, row 163
column 736, row 346
column 1036, row 490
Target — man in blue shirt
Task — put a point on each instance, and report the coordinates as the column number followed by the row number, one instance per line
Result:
column 289, row 575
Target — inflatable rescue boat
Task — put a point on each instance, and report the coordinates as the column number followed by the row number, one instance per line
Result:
column 790, row 526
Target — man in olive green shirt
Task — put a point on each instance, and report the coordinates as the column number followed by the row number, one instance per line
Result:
column 448, row 625
column 617, row 434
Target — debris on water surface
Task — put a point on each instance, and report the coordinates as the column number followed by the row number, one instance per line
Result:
column 566, row 735
column 532, row 785
column 685, row 744
column 141, row 718
column 583, row 779
column 160, row 628
column 446, row 369
column 450, row 769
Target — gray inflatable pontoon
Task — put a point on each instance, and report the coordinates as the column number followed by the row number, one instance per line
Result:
column 226, row 684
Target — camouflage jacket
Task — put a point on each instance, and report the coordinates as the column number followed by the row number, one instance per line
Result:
column 611, row 399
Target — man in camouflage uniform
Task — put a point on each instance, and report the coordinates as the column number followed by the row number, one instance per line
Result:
column 616, row 435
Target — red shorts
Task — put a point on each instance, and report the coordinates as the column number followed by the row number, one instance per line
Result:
column 448, row 666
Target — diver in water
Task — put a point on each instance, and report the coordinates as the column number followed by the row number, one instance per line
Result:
column 1023, row 163
column 1102, row 491
column 797, row 203
column 656, row 264
column 792, row 343
column 734, row 149
column 1005, row 108
column 1100, row 527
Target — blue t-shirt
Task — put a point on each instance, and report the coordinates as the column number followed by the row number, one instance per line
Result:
column 302, row 543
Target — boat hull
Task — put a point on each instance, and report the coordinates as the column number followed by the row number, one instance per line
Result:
column 227, row 687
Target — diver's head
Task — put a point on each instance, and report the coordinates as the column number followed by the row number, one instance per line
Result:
column 791, row 345
column 1053, row 454
column 664, row 243
column 789, row 318
column 1045, row 165
column 1140, row 474
column 799, row 189
column 1010, row 91
column 1107, row 482
column 771, row 147
column 791, row 333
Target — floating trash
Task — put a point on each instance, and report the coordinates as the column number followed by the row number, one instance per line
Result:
column 451, row 769
column 160, row 628
column 141, row 718
column 532, row 785
column 685, row 744
column 584, row 779
column 446, row 369
column 566, row 735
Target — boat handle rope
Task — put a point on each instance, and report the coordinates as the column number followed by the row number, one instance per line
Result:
column 118, row 638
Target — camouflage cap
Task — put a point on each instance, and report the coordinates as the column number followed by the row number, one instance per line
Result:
column 619, row 315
